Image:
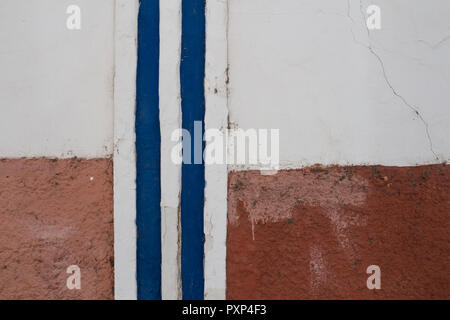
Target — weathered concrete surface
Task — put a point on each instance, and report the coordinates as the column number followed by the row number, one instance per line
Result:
column 311, row 233
column 53, row 214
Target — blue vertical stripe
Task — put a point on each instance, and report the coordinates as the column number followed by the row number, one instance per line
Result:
column 148, row 146
column 192, row 72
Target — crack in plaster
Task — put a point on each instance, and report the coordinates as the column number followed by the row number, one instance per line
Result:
column 386, row 78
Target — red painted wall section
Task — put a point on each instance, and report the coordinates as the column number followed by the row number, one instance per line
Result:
column 53, row 214
column 311, row 233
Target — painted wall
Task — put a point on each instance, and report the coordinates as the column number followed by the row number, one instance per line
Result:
column 126, row 17
column 312, row 233
column 56, row 213
column 56, row 102
column 341, row 94
column 370, row 108
column 56, row 84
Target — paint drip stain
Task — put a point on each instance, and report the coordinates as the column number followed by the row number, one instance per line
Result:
column 275, row 198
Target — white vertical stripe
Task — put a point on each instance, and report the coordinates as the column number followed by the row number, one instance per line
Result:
column 125, row 286
column 216, row 117
column 170, row 119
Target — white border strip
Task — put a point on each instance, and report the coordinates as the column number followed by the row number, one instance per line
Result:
column 125, row 286
column 216, row 176
column 170, row 119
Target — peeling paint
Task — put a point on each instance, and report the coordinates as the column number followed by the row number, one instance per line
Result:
column 311, row 233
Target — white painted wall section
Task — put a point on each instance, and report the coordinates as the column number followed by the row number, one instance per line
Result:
column 125, row 284
column 54, row 79
column 339, row 93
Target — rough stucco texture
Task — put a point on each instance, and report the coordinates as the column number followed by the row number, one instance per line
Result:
column 53, row 214
column 311, row 233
